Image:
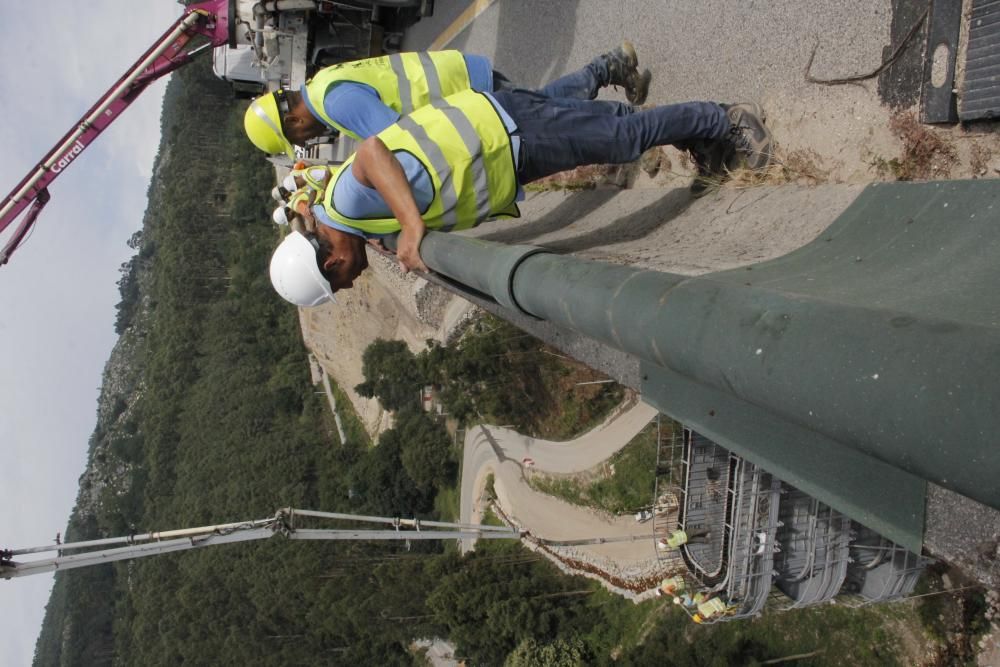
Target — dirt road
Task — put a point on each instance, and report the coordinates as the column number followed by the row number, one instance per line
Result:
column 501, row 452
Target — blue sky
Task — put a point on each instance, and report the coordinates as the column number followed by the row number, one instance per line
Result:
column 58, row 292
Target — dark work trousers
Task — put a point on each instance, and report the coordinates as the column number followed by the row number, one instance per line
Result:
column 559, row 133
column 576, row 88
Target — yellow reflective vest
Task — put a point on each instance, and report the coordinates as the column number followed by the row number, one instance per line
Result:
column 463, row 144
column 711, row 607
column 404, row 81
column 677, row 539
column 314, row 177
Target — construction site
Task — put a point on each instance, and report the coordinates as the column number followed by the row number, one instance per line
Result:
column 814, row 345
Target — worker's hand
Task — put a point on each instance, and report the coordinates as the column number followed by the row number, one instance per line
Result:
column 408, row 249
column 308, row 218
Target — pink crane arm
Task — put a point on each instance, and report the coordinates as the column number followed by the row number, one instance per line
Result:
column 209, row 19
column 40, row 200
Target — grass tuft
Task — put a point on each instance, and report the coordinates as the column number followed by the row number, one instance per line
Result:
column 925, row 153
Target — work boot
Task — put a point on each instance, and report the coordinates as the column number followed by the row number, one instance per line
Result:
column 748, row 143
column 622, row 71
column 735, row 111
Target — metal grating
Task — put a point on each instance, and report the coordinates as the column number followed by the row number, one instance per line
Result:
column 814, row 549
column 981, row 88
column 938, row 91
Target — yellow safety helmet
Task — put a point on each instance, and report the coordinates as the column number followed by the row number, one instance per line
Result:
column 262, row 123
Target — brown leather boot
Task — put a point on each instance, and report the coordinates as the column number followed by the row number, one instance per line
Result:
column 749, row 143
column 623, row 63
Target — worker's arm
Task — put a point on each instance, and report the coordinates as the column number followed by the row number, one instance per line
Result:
column 302, row 207
column 376, row 167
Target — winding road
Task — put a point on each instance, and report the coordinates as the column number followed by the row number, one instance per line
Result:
column 500, row 451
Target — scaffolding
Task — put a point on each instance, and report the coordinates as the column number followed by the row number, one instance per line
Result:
column 666, row 485
column 707, row 473
column 737, row 503
column 880, row 570
column 669, row 446
column 751, row 531
column 815, row 549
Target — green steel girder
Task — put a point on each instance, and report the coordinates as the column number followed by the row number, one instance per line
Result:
column 857, row 368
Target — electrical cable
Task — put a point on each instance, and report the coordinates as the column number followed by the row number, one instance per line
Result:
column 854, row 79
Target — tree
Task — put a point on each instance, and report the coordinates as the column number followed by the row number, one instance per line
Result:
column 569, row 652
column 491, row 602
column 391, row 373
column 383, row 486
column 426, row 452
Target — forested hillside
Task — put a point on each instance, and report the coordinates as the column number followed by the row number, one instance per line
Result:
column 207, row 415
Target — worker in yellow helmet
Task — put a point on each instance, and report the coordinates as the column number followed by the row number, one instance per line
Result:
column 363, row 97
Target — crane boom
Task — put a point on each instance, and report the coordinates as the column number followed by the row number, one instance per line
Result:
column 209, row 19
column 282, row 523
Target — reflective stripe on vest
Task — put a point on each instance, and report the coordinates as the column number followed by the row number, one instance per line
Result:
column 404, row 81
column 314, row 177
column 464, row 146
column 301, row 196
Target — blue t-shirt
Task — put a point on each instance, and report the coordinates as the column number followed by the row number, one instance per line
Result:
column 359, row 108
column 354, row 200
column 320, row 214
column 358, row 201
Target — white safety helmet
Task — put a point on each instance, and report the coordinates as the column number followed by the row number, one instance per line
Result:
column 289, row 183
column 280, row 193
column 295, row 274
column 280, row 216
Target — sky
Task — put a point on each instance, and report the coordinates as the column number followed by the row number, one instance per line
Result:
column 58, row 292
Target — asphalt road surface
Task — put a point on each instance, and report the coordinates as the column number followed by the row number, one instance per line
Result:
column 719, row 50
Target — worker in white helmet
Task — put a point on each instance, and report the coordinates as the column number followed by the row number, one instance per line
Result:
column 361, row 98
column 462, row 160
column 295, row 274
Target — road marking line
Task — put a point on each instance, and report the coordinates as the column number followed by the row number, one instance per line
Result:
column 461, row 23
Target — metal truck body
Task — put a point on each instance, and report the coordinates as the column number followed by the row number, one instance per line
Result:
column 287, row 40
column 281, row 43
